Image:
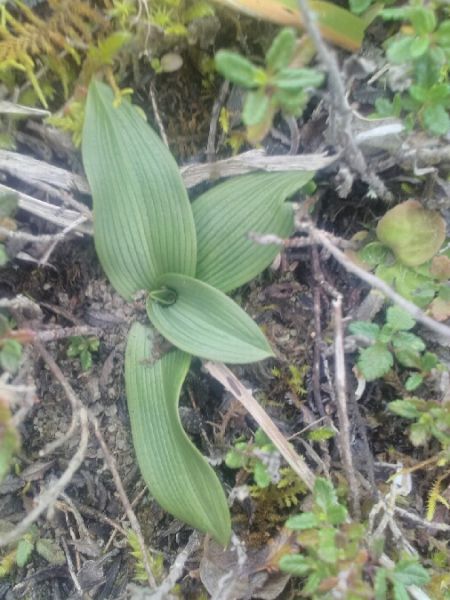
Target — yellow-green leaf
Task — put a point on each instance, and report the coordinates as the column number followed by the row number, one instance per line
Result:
column 228, row 212
column 206, row 323
column 143, row 223
column 175, row 472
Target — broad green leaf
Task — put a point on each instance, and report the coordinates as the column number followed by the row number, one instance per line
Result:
column 405, row 340
column 281, row 50
column 400, row 592
column 327, row 549
column 324, row 494
column 227, row 213
column 337, row 514
column 206, row 323
column 375, row 361
column 436, row 119
column 143, row 225
column 336, row 24
column 296, row 79
column 399, row 50
column 413, row 233
column 176, row 473
column 413, row 382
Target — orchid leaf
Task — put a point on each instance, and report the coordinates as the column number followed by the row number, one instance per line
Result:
column 175, row 472
column 227, row 213
column 143, row 225
column 206, row 323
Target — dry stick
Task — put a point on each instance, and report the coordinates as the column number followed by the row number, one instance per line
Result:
column 51, row 335
column 47, row 498
column 323, row 238
column 215, row 114
column 71, row 568
column 176, row 570
column 416, row 519
column 341, row 397
column 162, row 131
column 109, row 459
column 232, row 384
column 339, row 99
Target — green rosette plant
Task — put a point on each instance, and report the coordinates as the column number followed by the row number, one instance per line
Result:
column 186, row 258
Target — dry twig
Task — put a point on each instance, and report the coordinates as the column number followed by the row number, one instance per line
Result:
column 341, row 397
column 232, row 384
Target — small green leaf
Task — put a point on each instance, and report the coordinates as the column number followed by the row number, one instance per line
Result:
column 261, row 476
column 374, row 253
column 404, row 408
column 413, row 233
column 10, row 355
column 380, row 587
column 238, row 69
column 295, row 565
column 400, row 592
column 365, row 329
column 175, row 472
column 419, row 46
column 399, row 319
column 337, row 514
column 419, row 434
column 405, row 340
column 235, row 459
column 256, row 107
column 359, row 6
column 410, row 572
column 295, row 79
column 86, row 359
column 50, row 551
column 262, row 439
column 324, row 494
column 307, row 520
column 327, row 550
column 374, row 362
column 399, row 50
column 24, row 551
column 8, row 204
column 321, row 434
column 413, row 382
column 436, row 119
column 143, row 225
column 206, row 323
column 227, row 213
column 4, row 258
column 281, row 50
column 428, row 361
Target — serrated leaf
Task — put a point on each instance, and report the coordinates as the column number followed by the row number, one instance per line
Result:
column 410, row 572
column 400, row 592
column 374, row 362
column 306, row 520
column 413, row 233
column 327, row 550
column 404, row 408
column 295, row 564
column 24, row 551
column 336, row 514
column 206, row 323
column 324, row 494
column 399, row 319
column 413, row 382
column 380, row 587
column 175, row 472
column 237, row 69
column 226, row 214
column 256, row 108
column 365, row 329
column 281, row 50
column 143, row 224
column 50, row 551
column 405, row 340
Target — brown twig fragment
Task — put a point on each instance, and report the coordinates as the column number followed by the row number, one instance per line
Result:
column 232, row 384
column 341, row 397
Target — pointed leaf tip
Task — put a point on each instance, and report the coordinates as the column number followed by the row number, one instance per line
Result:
column 206, row 323
column 175, row 472
column 143, row 224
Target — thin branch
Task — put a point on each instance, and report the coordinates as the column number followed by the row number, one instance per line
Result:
column 49, row 497
column 110, row 461
column 341, row 397
column 354, row 156
column 232, row 384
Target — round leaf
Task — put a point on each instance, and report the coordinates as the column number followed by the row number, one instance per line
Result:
column 206, row 323
column 413, row 233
